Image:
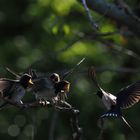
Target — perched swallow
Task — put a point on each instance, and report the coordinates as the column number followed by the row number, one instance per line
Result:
column 125, row 98
column 43, row 88
column 46, row 88
column 62, row 88
column 14, row 89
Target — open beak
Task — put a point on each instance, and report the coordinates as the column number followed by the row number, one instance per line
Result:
column 67, row 87
column 31, row 82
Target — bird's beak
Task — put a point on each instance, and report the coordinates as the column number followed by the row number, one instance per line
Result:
column 67, row 87
column 31, row 82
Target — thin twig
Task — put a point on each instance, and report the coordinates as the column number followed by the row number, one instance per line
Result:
column 109, row 45
column 127, row 9
column 119, row 49
column 68, row 73
column 92, row 21
column 114, row 13
column 112, row 46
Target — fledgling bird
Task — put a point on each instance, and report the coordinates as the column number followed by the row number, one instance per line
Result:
column 125, row 98
column 46, row 88
column 61, row 86
column 14, row 89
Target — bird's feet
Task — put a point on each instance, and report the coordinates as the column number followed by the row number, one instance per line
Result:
column 62, row 96
column 44, row 102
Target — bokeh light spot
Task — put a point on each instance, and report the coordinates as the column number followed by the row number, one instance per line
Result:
column 29, row 130
column 13, row 130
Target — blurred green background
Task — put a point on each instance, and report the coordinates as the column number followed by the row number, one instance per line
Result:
column 52, row 36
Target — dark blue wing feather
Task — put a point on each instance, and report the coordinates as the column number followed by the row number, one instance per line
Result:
column 129, row 96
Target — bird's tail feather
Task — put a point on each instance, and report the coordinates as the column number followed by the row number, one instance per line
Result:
column 12, row 72
column 115, row 112
column 131, row 128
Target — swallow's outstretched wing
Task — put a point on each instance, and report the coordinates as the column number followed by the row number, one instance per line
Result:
column 129, row 95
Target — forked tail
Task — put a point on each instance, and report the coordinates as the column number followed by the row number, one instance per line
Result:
column 12, row 72
column 116, row 113
column 131, row 128
column 71, row 70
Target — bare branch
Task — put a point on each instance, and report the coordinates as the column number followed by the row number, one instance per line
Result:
column 127, row 9
column 110, row 45
column 25, row 105
column 119, row 49
column 59, row 105
column 93, row 23
column 115, row 13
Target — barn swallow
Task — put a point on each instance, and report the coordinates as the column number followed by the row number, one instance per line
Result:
column 14, row 89
column 46, row 88
column 125, row 98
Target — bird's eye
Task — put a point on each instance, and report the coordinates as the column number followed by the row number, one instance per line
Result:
column 55, row 77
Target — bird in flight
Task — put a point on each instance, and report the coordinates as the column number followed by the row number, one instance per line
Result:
column 124, row 99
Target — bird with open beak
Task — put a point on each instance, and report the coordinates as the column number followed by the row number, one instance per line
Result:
column 47, row 88
column 14, row 89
